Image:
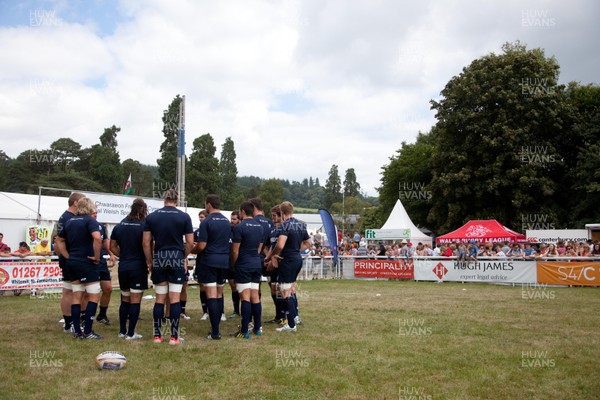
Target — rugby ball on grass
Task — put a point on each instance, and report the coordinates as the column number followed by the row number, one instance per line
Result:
column 112, row 360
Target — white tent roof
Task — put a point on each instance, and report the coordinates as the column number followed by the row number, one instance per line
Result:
column 399, row 219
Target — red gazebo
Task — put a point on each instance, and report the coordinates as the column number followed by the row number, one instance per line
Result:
column 484, row 230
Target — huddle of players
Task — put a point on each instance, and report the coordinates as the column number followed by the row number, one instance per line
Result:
column 154, row 243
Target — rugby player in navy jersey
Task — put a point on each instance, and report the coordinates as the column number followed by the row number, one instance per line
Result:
column 213, row 261
column 67, row 292
column 126, row 242
column 292, row 240
column 272, row 272
column 82, row 245
column 201, row 216
column 235, row 296
column 267, row 225
column 167, row 226
column 246, row 248
column 105, row 280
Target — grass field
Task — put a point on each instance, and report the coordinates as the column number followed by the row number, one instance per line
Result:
column 361, row 340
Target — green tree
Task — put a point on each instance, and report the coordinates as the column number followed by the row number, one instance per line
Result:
column 230, row 192
column 66, row 153
column 333, row 187
column 407, row 177
column 5, row 162
column 167, row 163
column 490, row 118
column 109, row 137
column 142, row 181
column 271, row 193
column 105, row 168
column 351, row 186
column 202, row 175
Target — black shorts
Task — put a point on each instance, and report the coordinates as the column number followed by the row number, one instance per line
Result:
column 67, row 275
column 103, row 270
column 82, row 271
column 231, row 274
column 264, row 271
column 247, row 275
column 133, row 279
column 212, row 275
column 170, row 270
column 274, row 275
column 289, row 270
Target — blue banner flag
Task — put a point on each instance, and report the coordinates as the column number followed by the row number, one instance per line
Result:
column 331, row 232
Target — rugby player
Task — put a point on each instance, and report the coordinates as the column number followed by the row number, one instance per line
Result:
column 246, row 248
column 293, row 239
column 67, row 292
column 81, row 249
column 273, row 236
column 235, row 296
column 201, row 215
column 105, row 279
column 167, row 226
column 213, row 261
column 126, row 242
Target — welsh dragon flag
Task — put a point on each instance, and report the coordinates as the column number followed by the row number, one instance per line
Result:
column 127, row 187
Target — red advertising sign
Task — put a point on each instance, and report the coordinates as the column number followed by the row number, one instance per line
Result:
column 390, row 269
column 28, row 275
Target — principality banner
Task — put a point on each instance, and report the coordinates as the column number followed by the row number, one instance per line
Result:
column 29, row 275
column 569, row 273
column 391, row 269
column 485, row 271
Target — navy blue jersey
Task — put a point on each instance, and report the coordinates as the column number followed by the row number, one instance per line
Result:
column 296, row 233
column 77, row 233
column 197, row 235
column 62, row 221
column 215, row 231
column 249, row 234
column 274, row 236
column 168, row 225
column 104, row 236
column 267, row 225
column 129, row 235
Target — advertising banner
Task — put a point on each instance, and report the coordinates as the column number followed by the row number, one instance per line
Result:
column 485, row 271
column 566, row 273
column 28, row 275
column 557, row 235
column 390, row 269
column 113, row 208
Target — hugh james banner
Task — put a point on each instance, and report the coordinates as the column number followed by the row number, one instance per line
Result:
column 487, row 271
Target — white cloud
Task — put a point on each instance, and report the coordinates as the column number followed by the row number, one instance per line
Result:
column 362, row 72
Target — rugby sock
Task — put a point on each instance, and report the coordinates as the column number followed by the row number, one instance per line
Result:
column 102, row 313
column 203, row 301
column 124, row 310
column 75, row 320
column 158, row 313
column 68, row 321
column 246, row 315
column 235, row 297
column 257, row 315
column 175, row 312
column 214, row 314
column 183, row 303
column 277, row 312
column 282, row 308
column 293, row 296
column 134, row 315
column 221, row 305
column 90, row 312
column 292, row 312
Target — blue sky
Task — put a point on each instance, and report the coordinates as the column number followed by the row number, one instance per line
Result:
column 298, row 85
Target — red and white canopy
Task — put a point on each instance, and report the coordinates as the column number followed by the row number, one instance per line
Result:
column 484, row 230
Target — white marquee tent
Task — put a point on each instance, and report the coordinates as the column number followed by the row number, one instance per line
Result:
column 399, row 220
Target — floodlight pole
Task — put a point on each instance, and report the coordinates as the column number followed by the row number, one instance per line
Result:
column 181, row 154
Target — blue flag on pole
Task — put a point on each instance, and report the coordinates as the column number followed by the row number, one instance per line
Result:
column 331, row 232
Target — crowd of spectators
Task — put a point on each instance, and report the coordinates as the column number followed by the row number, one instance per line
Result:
column 356, row 246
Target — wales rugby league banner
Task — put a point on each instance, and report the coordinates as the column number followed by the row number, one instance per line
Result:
column 485, row 271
